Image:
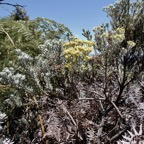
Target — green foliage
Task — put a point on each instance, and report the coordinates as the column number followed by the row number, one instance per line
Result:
column 53, row 30
column 27, row 35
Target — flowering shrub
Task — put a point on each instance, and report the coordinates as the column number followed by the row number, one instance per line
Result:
column 76, row 54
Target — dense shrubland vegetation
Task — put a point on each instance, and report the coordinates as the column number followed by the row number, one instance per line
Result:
column 53, row 91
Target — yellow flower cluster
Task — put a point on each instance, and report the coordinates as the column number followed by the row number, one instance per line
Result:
column 131, row 44
column 120, row 30
column 77, row 52
column 78, row 42
column 105, row 36
column 118, row 35
column 99, row 28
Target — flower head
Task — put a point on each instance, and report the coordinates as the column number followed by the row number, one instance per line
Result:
column 131, row 44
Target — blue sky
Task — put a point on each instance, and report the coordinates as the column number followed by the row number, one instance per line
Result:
column 75, row 14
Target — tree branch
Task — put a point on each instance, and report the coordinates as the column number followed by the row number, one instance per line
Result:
column 14, row 5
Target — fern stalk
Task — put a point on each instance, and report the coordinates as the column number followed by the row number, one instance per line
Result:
column 8, row 36
column 40, row 117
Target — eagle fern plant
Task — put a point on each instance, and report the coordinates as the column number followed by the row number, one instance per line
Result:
column 133, row 138
column 27, row 35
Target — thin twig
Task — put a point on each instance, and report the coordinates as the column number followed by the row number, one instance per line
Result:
column 97, row 94
column 91, row 99
column 99, row 133
column 101, row 105
column 99, row 85
column 104, row 135
column 118, row 134
column 66, row 111
column 117, row 109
